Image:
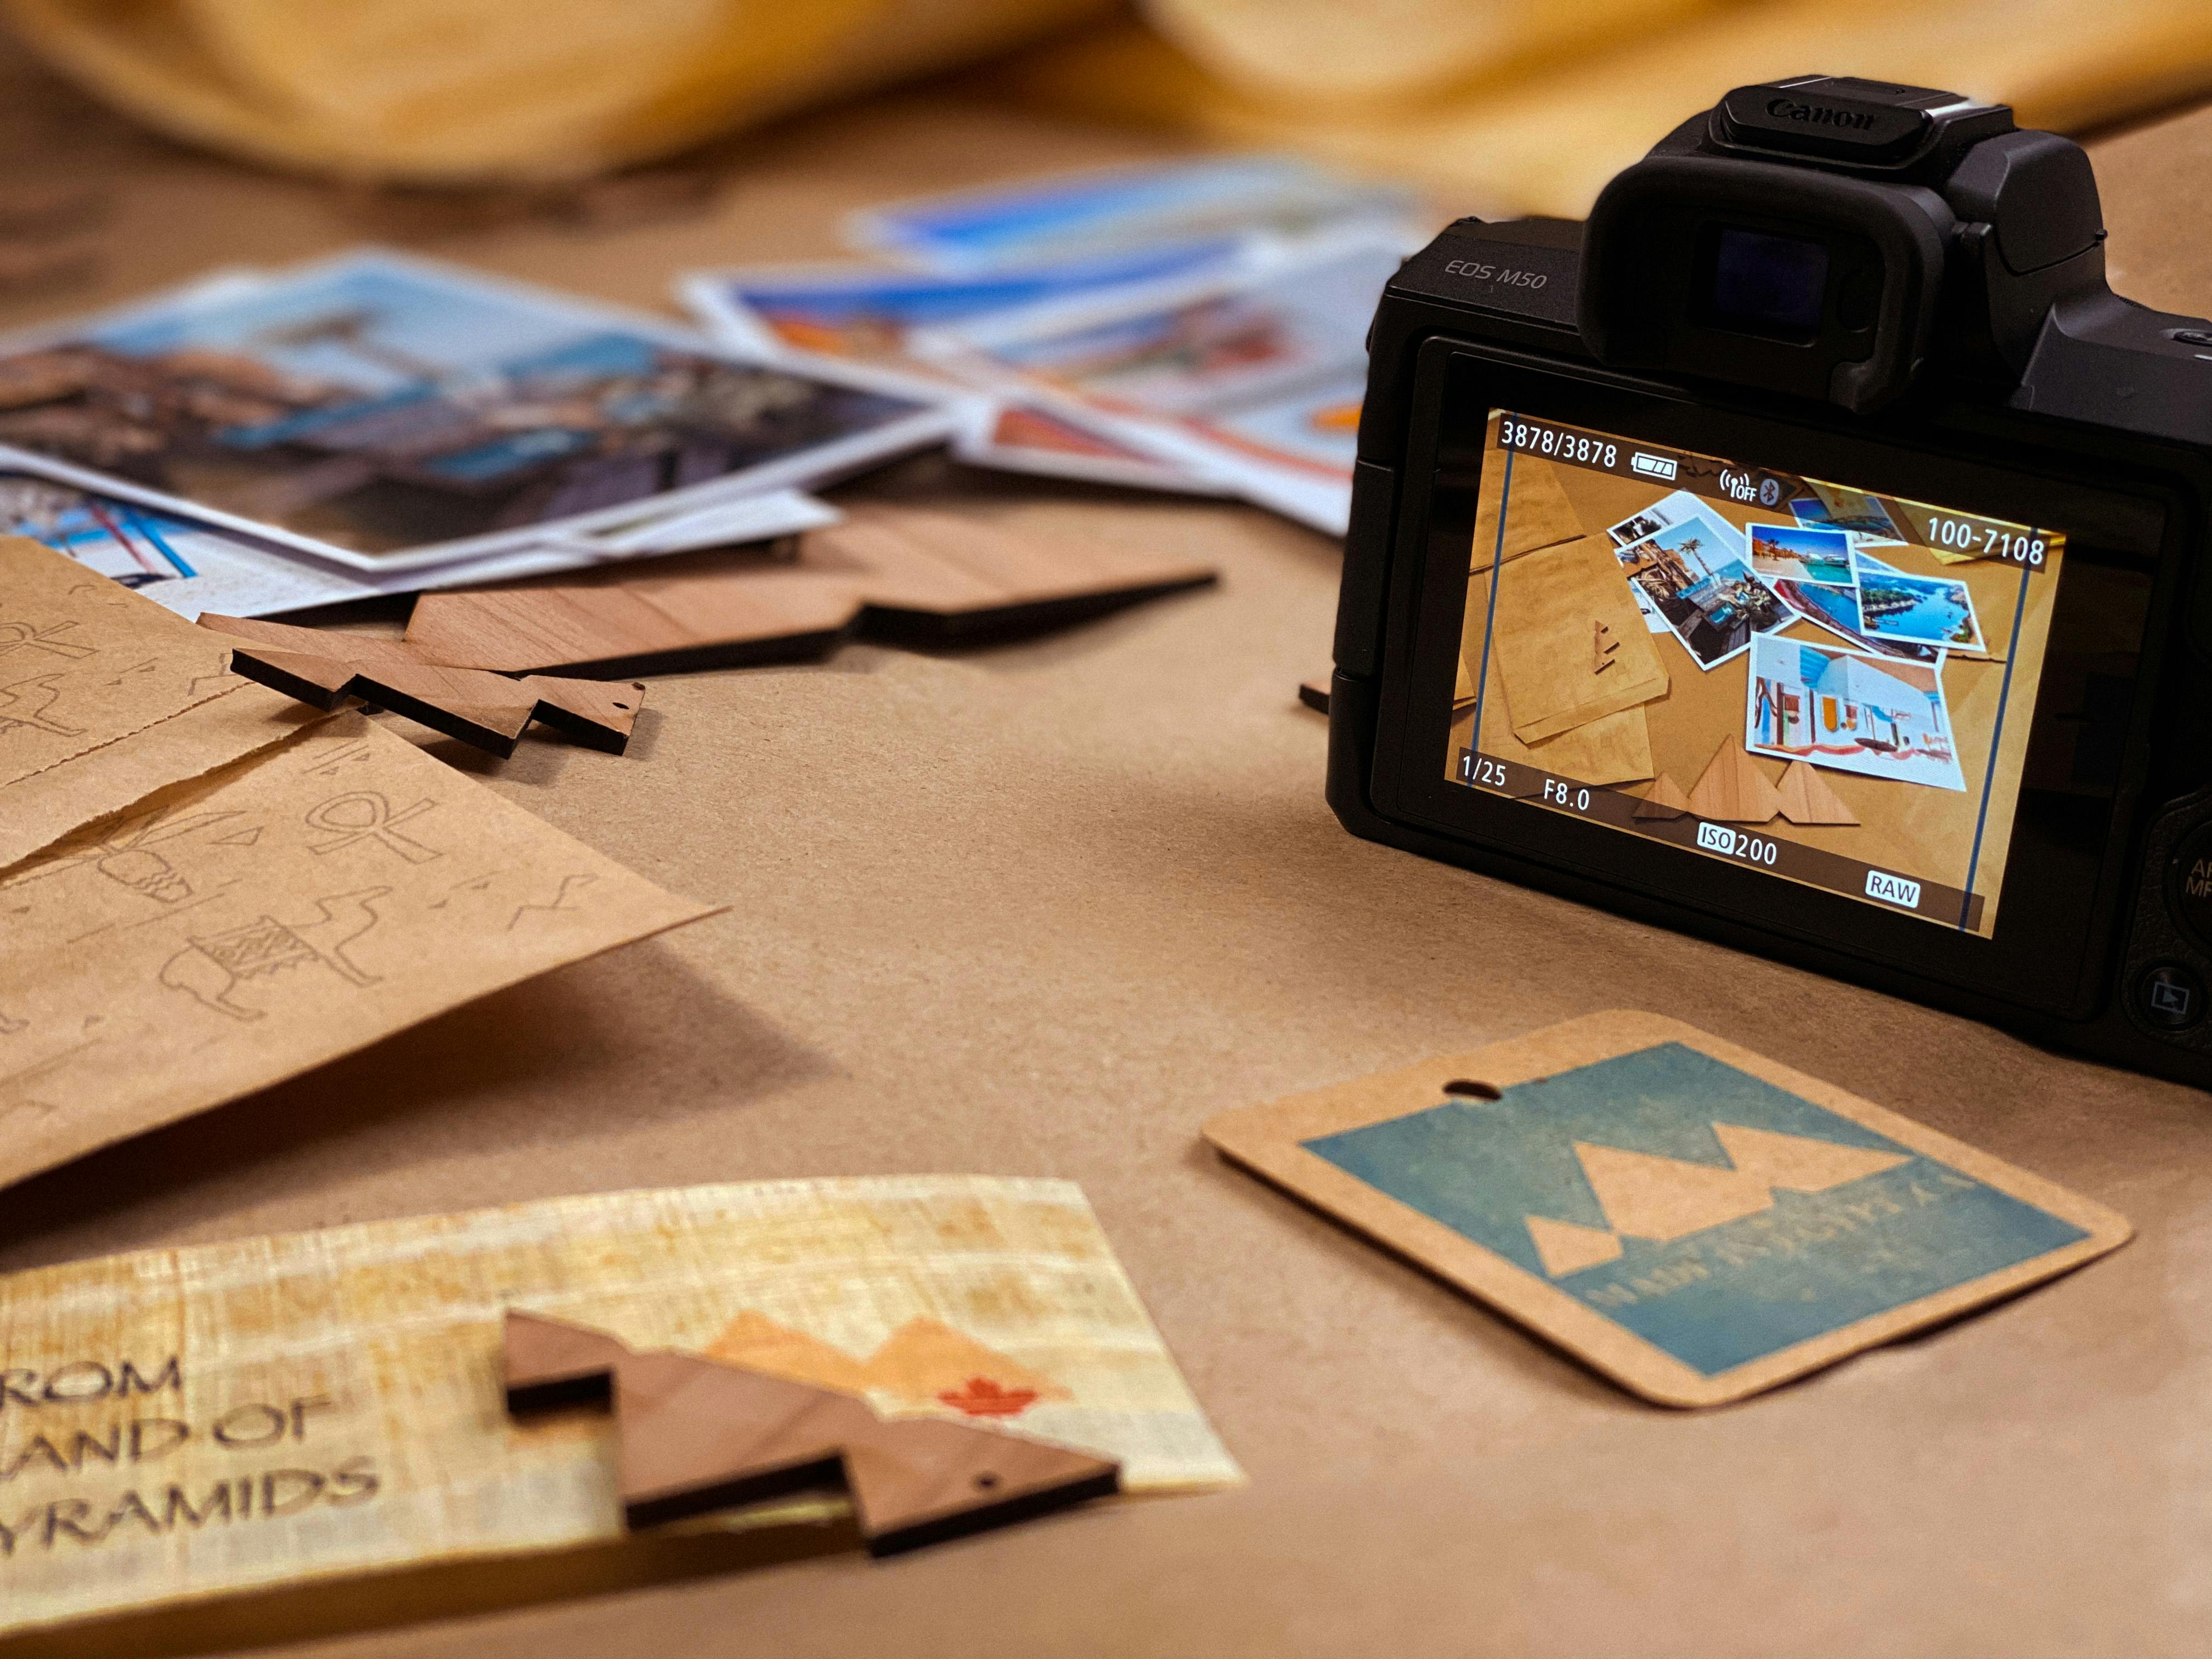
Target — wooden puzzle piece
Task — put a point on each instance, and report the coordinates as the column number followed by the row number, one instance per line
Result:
column 698, row 1434
column 323, row 667
column 1602, row 645
column 1663, row 799
column 906, row 574
column 1732, row 789
column 1806, row 798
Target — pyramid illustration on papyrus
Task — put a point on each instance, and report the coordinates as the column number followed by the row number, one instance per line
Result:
column 926, row 1360
column 1648, row 1195
column 758, row 1343
column 923, row 1362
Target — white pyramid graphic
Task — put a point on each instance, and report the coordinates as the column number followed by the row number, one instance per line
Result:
column 1646, row 1195
column 1665, row 1198
column 1563, row 1247
column 1797, row 1163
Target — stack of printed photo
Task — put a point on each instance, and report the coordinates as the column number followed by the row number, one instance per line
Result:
column 1716, row 586
column 1198, row 327
column 262, row 441
column 372, row 424
column 1722, row 590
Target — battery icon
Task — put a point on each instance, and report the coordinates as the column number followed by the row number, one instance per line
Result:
column 1653, row 466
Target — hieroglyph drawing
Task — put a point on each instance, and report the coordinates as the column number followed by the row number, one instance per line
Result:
column 365, row 814
column 328, row 763
column 27, row 705
column 471, row 885
column 570, row 887
column 209, row 970
column 27, row 637
column 125, row 856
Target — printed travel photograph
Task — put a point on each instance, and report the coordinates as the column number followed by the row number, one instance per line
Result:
column 1650, row 520
column 1934, row 610
column 1241, row 196
column 137, row 546
column 1694, row 572
column 1839, row 508
column 867, row 313
column 376, row 407
column 1190, row 350
column 1801, row 553
column 1873, row 715
column 1836, row 610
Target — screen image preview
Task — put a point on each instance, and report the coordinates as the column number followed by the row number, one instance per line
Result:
column 1847, row 677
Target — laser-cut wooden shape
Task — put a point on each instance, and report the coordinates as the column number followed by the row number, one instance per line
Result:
column 906, row 573
column 1806, row 798
column 1602, row 645
column 324, row 667
column 1732, row 789
column 1663, row 799
column 699, row 1434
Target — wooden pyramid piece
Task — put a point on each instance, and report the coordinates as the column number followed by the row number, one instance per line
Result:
column 324, row 667
column 700, row 1434
column 1663, row 799
column 1807, row 798
column 901, row 573
column 1732, row 789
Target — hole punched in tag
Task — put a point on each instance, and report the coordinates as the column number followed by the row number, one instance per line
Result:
column 1473, row 1090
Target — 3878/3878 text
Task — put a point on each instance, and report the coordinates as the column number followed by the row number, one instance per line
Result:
column 1556, row 443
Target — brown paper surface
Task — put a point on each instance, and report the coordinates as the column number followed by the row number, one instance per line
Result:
column 1048, row 907
column 284, row 910
column 292, row 1409
column 105, row 698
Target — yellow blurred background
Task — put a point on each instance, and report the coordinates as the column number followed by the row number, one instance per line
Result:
column 1498, row 105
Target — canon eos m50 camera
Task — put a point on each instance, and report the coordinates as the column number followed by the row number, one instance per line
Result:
column 1806, row 551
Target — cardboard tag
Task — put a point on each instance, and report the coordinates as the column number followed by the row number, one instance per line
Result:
column 1694, row 1220
column 277, row 1412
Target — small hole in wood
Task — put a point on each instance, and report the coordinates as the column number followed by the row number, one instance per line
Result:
column 623, row 707
column 1461, row 1085
column 986, row 1481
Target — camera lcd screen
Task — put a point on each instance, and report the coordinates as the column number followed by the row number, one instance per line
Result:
column 1771, row 284
column 1826, row 685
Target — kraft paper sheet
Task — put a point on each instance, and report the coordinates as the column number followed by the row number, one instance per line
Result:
column 237, row 930
column 106, row 697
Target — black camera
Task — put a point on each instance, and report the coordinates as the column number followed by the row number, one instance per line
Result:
column 1805, row 552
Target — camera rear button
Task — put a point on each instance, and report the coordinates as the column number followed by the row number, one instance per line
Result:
column 2170, row 997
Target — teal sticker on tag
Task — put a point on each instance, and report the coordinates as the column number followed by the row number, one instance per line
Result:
column 1716, row 1215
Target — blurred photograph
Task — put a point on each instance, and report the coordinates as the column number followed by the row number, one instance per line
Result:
column 381, row 408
